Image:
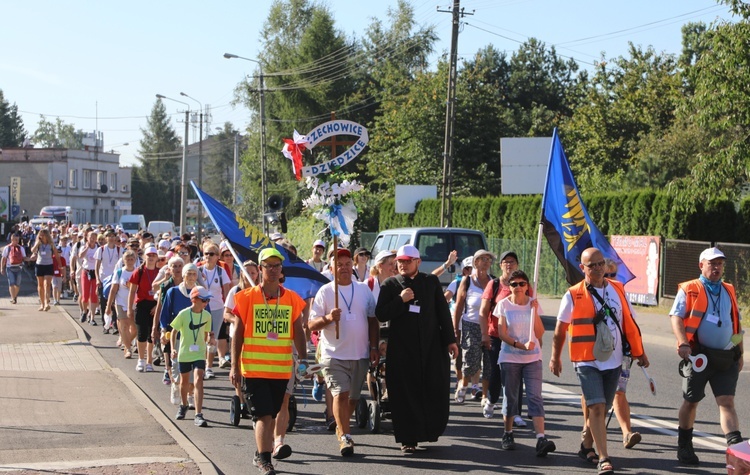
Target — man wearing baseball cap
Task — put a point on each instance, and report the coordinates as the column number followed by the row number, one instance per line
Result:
column 706, row 319
column 267, row 322
column 141, row 298
column 414, row 304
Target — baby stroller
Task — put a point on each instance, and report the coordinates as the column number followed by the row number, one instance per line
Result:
column 235, row 409
column 370, row 414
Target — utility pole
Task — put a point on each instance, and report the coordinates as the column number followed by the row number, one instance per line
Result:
column 450, row 117
column 183, row 182
column 235, row 171
column 199, row 231
column 263, row 181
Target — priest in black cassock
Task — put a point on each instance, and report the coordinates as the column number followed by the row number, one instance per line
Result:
column 420, row 339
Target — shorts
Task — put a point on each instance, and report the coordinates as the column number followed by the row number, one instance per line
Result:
column 189, row 366
column 144, row 321
column 598, row 387
column 265, row 395
column 43, row 271
column 57, row 283
column 345, row 376
column 14, row 275
column 223, row 330
column 217, row 318
column 88, row 289
column 723, row 383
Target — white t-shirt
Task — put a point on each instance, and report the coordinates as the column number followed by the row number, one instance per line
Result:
column 109, row 257
column 65, row 251
column 611, row 297
column 229, row 302
column 88, row 261
column 375, row 287
column 121, row 299
column 215, row 279
column 357, row 305
column 517, row 319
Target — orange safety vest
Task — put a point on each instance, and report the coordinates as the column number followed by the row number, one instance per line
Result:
column 696, row 304
column 581, row 329
column 264, row 357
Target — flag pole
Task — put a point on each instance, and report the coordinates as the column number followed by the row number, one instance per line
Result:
column 336, row 279
column 244, row 271
column 539, row 237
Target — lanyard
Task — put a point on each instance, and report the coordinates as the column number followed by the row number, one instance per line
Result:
column 213, row 275
column 110, row 254
column 195, row 329
column 268, row 309
column 716, row 303
column 350, row 302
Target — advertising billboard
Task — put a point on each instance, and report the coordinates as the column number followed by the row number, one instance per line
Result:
column 641, row 255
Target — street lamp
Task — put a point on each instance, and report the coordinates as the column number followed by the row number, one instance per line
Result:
column 263, row 190
column 199, row 231
column 183, row 184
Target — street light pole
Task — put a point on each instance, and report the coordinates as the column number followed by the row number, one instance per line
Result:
column 263, row 189
column 199, row 231
column 183, row 184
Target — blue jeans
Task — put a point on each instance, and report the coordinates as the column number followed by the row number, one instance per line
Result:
column 531, row 374
column 598, row 387
column 14, row 276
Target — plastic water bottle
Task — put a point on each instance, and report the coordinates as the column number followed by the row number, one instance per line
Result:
column 625, row 372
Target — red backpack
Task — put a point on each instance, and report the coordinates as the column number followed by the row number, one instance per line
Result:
column 15, row 256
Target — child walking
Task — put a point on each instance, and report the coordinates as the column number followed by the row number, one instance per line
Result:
column 194, row 326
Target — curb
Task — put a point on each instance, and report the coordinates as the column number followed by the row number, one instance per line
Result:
column 194, row 453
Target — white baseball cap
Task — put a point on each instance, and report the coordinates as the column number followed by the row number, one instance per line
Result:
column 711, row 253
column 406, row 252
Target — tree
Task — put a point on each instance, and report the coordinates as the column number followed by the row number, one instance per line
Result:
column 156, row 183
column 12, row 133
column 220, row 165
column 58, row 134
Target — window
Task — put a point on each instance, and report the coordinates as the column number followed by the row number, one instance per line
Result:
column 113, row 182
column 101, row 179
column 73, row 179
column 59, row 183
column 87, row 179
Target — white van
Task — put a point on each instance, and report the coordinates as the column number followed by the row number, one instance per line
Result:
column 132, row 223
column 157, row 228
column 434, row 245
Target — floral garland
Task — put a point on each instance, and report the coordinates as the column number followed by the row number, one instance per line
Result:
column 327, row 204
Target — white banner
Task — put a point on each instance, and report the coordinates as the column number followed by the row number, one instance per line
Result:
column 4, row 202
column 329, row 129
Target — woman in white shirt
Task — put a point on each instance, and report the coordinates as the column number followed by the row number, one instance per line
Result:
column 118, row 300
column 218, row 284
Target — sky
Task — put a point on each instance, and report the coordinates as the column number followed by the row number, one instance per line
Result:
column 98, row 65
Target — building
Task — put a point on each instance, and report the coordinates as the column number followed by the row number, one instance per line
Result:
column 92, row 183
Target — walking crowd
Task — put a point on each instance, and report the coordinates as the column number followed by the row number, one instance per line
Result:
column 190, row 305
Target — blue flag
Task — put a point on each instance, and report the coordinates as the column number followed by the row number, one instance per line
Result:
column 247, row 241
column 566, row 222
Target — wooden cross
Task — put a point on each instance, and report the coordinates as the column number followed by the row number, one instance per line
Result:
column 333, row 143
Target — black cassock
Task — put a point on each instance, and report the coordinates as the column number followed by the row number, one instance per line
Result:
column 418, row 374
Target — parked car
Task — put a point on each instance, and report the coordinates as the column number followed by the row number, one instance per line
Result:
column 158, row 228
column 434, row 245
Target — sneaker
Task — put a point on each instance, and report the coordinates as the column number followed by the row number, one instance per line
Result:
column 105, row 330
column 319, row 390
column 281, row 451
column 174, row 394
column 488, row 409
column 140, row 366
column 331, row 423
column 209, row 374
column 508, row 443
column 199, row 421
column 346, row 445
column 686, row 454
column 92, row 322
column 256, row 459
column 266, row 468
column 460, row 394
column 191, row 401
column 149, row 368
column 181, row 412
column 476, row 392
column 519, row 422
column 166, row 379
column 83, row 317
column 544, row 446
column 224, row 363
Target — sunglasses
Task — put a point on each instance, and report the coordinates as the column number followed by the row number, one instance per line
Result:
column 594, row 265
column 209, row 253
column 184, row 253
column 198, row 299
column 162, row 259
column 518, row 284
column 611, row 275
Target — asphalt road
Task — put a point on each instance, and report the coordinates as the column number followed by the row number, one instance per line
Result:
column 471, row 443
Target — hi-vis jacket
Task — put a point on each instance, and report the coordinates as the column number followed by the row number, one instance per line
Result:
column 581, row 329
column 696, row 304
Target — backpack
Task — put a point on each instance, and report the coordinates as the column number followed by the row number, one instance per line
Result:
column 108, row 281
column 15, row 256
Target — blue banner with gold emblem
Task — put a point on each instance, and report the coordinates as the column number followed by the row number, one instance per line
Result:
column 247, row 241
column 566, row 222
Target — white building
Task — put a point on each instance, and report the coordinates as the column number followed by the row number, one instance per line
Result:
column 92, row 183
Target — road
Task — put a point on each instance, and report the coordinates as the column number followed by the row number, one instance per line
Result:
column 471, row 443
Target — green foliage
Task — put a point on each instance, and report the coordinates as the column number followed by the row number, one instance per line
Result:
column 156, row 181
column 12, row 133
column 219, row 172
column 58, row 134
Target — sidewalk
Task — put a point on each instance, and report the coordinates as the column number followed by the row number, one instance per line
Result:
column 65, row 410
